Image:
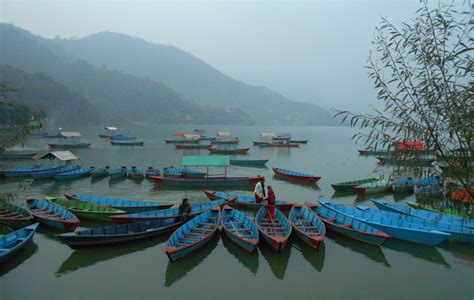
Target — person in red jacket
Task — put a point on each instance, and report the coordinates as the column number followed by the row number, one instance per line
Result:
column 271, row 202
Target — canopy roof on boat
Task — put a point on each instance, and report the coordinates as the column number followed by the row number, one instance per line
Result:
column 61, row 155
column 267, row 134
column 224, row 134
column 110, row 128
column 214, row 160
column 70, row 134
column 284, row 135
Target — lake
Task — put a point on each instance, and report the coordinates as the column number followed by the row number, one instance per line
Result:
column 341, row 268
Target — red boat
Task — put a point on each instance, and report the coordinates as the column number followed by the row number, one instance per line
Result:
column 304, row 177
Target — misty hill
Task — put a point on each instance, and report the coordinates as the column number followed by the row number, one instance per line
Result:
column 192, row 78
column 39, row 91
column 113, row 93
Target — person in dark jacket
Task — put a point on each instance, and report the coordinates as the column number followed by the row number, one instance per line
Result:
column 271, row 199
column 184, row 210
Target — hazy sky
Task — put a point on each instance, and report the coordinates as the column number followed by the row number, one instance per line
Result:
column 311, row 51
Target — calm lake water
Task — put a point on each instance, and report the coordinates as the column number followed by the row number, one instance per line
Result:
column 342, row 268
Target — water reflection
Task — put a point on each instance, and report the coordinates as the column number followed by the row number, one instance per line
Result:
column 18, row 258
column 460, row 251
column 248, row 260
column 85, row 258
column 278, row 261
column 372, row 252
column 314, row 258
column 428, row 253
column 114, row 181
column 176, row 270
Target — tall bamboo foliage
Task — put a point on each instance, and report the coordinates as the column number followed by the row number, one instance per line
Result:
column 422, row 72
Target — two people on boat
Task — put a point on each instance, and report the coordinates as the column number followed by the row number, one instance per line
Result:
column 184, row 210
column 259, row 193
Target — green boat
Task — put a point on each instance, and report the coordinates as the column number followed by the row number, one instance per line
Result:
column 85, row 210
column 14, row 216
column 447, row 210
column 349, row 186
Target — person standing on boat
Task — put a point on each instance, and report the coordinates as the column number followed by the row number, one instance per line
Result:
column 184, row 210
column 259, row 191
column 271, row 199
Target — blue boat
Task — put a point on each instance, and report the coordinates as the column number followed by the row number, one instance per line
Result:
column 127, row 143
column 193, row 234
column 27, row 170
column 458, row 233
column 51, row 215
column 12, row 242
column 136, row 172
column 51, row 173
column 423, row 214
column 100, row 172
column 307, row 225
column 239, row 228
column 118, row 172
column 433, row 180
column 400, row 229
column 151, row 171
column 294, row 175
column 118, row 234
column 82, row 172
column 121, row 137
column 275, row 230
column 196, row 208
column 248, row 162
column 246, row 201
column 403, row 185
column 348, row 226
column 128, row 206
column 173, row 171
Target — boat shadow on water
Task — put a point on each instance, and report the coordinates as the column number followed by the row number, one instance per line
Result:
column 427, row 253
column 80, row 259
column 373, row 253
column 248, row 260
column 278, row 261
column 314, row 258
column 18, row 258
column 308, row 185
column 177, row 270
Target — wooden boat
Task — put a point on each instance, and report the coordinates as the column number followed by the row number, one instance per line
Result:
column 118, row 172
column 275, row 231
column 170, row 213
column 230, row 151
column 239, row 228
column 100, row 172
column 206, row 181
column 298, row 141
column 121, row 137
column 246, row 201
column 258, row 143
column 304, row 177
column 308, row 227
column 248, row 162
column 151, row 171
column 225, row 141
column 52, row 215
column 280, row 144
column 424, row 161
column 109, row 131
column 27, row 170
column 374, row 187
column 423, row 214
column 403, row 186
column 16, row 154
column 129, row 206
column 82, row 172
column 348, row 226
column 85, row 210
column 136, row 172
column 127, row 143
column 349, row 186
column 70, row 145
column 12, row 242
column 51, row 173
column 118, row 234
column 193, row 234
column 400, row 229
column 14, row 216
column 458, row 233
column 173, row 171
column 459, row 212
column 191, row 146
column 182, row 141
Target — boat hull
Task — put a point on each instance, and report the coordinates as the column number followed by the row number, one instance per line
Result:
column 204, row 182
column 70, row 146
column 52, row 215
column 7, row 154
column 20, row 238
column 296, row 177
column 15, row 216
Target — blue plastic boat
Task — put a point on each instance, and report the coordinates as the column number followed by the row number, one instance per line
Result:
column 433, row 180
column 248, row 162
column 51, row 215
column 118, row 172
column 400, row 229
column 348, row 226
column 458, row 233
column 51, row 173
column 294, row 175
column 423, row 214
column 239, row 228
column 136, row 172
column 151, row 171
column 27, row 170
column 274, row 230
column 196, row 208
column 307, row 225
column 128, row 206
column 181, row 172
column 12, row 242
column 121, row 137
column 193, row 234
column 246, row 201
column 403, row 185
column 101, row 172
column 82, row 172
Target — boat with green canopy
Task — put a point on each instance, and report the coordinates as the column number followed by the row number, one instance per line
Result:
column 85, row 210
